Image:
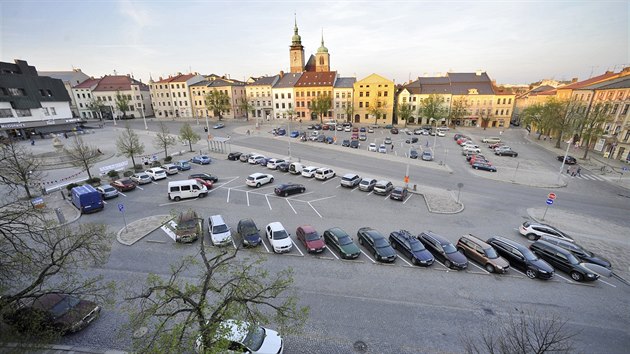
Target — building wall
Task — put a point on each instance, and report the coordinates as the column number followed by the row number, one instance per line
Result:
column 83, row 97
column 477, row 105
column 305, row 95
column 283, row 102
column 261, row 98
column 502, row 111
column 617, row 128
column 373, row 90
column 342, row 98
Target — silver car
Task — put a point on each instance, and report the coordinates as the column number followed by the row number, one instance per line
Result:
column 141, row 178
column 107, row 191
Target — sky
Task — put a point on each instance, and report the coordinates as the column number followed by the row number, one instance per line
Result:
column 515, row 42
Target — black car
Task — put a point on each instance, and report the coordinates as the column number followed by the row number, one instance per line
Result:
column 407, row 244
column 321, row 138
column 317, row 127
column 205, row 177
column 283, row 166
column 413, row 154
column 394, row 130
column 354, row 144
column 412, row 140
column 289, row 188
column 484, row 166
column 399, row 193
column 250, row 234
column 578, row 251
column 444, row 250
column 338, row 239
column 570, row 160
column 234, row 156
column 377, row 244
column 521, row 258
column 345, row 143
column 506, row 153
column 562, row 259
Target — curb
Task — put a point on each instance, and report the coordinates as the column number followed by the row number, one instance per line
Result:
column 143, row 233
column 52, row 348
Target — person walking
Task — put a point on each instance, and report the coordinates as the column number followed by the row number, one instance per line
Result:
column 578, row 172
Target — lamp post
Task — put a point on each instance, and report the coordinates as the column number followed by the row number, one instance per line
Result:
column 434, row 134
column 143, row 117
column 113, row 116
column 207, row 133
column 566, row 152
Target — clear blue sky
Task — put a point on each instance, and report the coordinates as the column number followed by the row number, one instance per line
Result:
column 514, row 41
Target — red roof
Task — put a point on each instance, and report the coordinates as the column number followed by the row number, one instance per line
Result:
column 89, row 83
column 118, row 82
column 576, row 85
column 322, row 78
column 177, row 78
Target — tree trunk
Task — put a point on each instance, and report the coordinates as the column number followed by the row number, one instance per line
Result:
column 28, row 191
column 586, row 147
column 190, row 145
column 133, row 161
column 559, row 140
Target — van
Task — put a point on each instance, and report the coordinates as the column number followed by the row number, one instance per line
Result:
column 170, row 169
column 190, row 188
column 220, row 234
column 189, row 227
column 296, row 168
column 324, row 174
column 87, row 199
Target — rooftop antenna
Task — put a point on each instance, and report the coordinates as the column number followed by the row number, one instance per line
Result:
column 592, row 68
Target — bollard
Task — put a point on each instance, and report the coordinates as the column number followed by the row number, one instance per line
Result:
column 415, row 187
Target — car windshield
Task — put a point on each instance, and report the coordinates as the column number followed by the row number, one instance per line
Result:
column 63, row 306
column 491, row 253
column 380, row 243
column 218, row 229
column 529, row 255
column 313, row 236
column 249, row 230
column 572, row 259
column 279, row 235
column 109, row 189
column 449, row 248
column 416, row 246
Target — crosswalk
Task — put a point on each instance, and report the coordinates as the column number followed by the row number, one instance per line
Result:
column 589, row 176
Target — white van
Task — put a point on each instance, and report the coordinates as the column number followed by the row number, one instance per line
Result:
column 171, row 169
column 189, row 188
column 296, row 168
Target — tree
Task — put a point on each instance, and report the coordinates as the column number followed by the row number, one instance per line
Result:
column 188, row 135
column 558, row 116
column 82, row 155
column 19, row 168
column 377, row 109
column 404, row 112
column 459, row 109
column 485, row 118
column 321, row 105
column 591, row 125
column 128, row 144
column 245, row 105
column 97, row 106
column 180, row 307
column 163, row 139
column 526, row 333
column 533, row 116
column 122, row 103
column 349, row 110
column 432, row 107
column 218, row 102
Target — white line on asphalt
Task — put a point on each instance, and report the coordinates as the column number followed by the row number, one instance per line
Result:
column 123, row 194
column 371, row 192
column 222, row 185
column 234, row 243
column 333, row 253
column 228, row 196
column 247, row 194
column 409, row 197
column 263, row 242
column 370, row 258
column 338, row 186
column 386, row 197
column 561, row 277
column 354, row 189
column 140, row 188
column 104, row 202
column 301, row 195
column 328, row 180
column 605, row 282
column 267, row 197
column 402, row 259
column 291, row 206
column 317, row 200
column 154, row 182
column 436, row 261
column 485, row 271
column 518, row 271
column 315, row 210
column 296, row 246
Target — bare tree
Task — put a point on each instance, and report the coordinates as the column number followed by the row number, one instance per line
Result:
column 128, row 144
column 526, row 333
column 459, row 109
column 204, row 290
column 82, row 154
column 349, row 110
column 377, row 109
column 163, row 139
column 97, row 106
column 188, row 135
column 19, row 167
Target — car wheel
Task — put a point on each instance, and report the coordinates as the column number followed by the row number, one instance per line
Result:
column 394, row 245
column 271, row 180
column 476, row 168
column 577, row 276
column 531, row 274
column 177, row 199
column 361, row 241
column 202, row 195
column 286, row 194
column 302, row 190
column 414, row 261
column 447, row 263
column 532, row 237
column 490, row 268
column 376, row 256
column 257, row 185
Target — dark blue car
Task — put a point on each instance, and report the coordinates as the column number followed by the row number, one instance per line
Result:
column 250, row 235
column 295, row 134
column 413, row 249
column 281, row 131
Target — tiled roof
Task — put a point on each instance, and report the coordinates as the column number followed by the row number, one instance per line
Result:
column 265, row 81
column 322, row 78
column 462, row 88
column 439, row 80
column 288, row 80
column 453, row 83
column 74, row 77
column 345, row 82
column 577, row 85
column 622, row 82
column 118, row 82
column 177, row 78
column 89, row 83
column 218, row 83
column 468, row 77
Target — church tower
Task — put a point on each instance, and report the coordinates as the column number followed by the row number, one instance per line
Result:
column 322, row 58
column 296, row 52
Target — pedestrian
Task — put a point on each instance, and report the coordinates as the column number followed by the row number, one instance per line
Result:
column 573, row 172
column 32, row 142
column 579, row 170
column 65, row 135
column 392, row 147
column 247, row 131
column 500, row 132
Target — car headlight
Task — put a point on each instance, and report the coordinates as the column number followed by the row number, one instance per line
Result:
column 590, row 275
column 311, row 249
column 542, row 271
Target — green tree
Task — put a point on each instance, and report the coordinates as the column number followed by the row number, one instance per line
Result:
column 590, row 127
column 404, row 112
column 432, row 107
column 122, row 103
column 459, row 110
column 97, row 106
column 559, row 117
column 377, row 109
column 245, row 105
column 349, row 111
column 188, row 135
column 82, row 155
column 163, row 139
column 179, row 308
column 19, row 168
column 321, row 105
column 218, row 102
column 128, row 144
column 533, row 116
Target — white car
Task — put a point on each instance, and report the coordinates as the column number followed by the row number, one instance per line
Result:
column 255, row 160
column 107, row 191
column 141, row 178
column 309, row 172
column 382, row 149
column 440, row 133
column 273, row 163
column 491, row 140
column 247, row 338
column 470, row 143
column 278, row 238
column 347, row 129
column 339, row 128
column 220, row 233
column 258, row 179
column 324, row 173
column 471, row 148
column 372, row 147
column 156, row 173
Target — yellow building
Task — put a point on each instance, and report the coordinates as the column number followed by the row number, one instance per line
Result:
column 374, row 100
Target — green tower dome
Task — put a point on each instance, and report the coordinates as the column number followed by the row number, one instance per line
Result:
column 322, row 48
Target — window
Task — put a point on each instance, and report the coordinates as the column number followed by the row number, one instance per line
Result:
column 289, row 95
column 625, row 109
column 367, row 104
column 23, row 112
column 360, row 104
column 361, row 94
column 367, row 93
column 16, row 91
column 278, row 105
column 385, row 93
column 615, row 108
column 498, row 101
column 6, row 113
column 283, row 105
column 509, row 101
column 277, row 96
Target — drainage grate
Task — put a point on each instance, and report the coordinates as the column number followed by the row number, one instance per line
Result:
column 360, row 346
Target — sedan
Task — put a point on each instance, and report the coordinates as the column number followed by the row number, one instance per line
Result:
column 408, row 245
column 233, row 156
column 412, row 140
column 311, row 239
column 183, row 165
column 427, row 155
column 394, row 130
column 201, row 159
column 510, row 152
column 375, row 242
column 388, row 141
column 372, row 147
column 218, row 126
column 205, row 177
column 413, row 154
column 345, row 143
column 444, row 250
column 382, row 149
column 484, row 166
column 399, row 193
column 107, row 191
column 570, row 160
column 342, row 242
column 354, row 144
column 294, row 134
column 250, row 234
column 287, row 189
column 141, row 178
column 124, row 184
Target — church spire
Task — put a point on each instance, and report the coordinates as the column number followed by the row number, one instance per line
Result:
column 322, row 48
column 296, row 39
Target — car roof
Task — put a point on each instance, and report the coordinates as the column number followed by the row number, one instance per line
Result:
column 396, row 189
column 368, row 179
column 257, row 174
column 383, row 181
column 350, row 175
column 481, row 243
column 308, row 229
column 275, row 226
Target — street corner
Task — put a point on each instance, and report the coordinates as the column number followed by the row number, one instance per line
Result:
column 439, row 201
column 57, row 208
column 138, row 229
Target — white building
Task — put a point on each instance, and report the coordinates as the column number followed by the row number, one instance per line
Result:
column 284, row 95
column 170, row 97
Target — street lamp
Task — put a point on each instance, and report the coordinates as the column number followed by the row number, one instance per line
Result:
column 143, row 117
column 113, row 116
column 434, row 134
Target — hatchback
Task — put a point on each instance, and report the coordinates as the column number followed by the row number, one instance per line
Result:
column 311, row 239
column 309, row 171
column 220, row 234
column 183, row 165
column 107, row 191
column 354, row 144
column 482, row 253
column 382, row 149
column 141, row 178
column 399, row 193
column 407, row 244
column 367, row 184
column 427, row 156
column 156, row 173
column 383, row 187
column 250, row 234
column 413, row 154
column 388, row 141
column 202, row 159
column 444, row 250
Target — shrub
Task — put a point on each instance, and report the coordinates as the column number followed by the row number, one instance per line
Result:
column 93, row 180
column 70, row 186
column 156, row 164
column 138, row 167
column 168, row 159
column 128, row 173
column 112, row 174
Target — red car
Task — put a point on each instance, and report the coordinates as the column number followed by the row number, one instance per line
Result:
column 206, row 183
column 124, row 184
column 313, row 241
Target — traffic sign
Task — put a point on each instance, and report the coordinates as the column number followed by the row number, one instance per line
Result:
column 549, row 201
column 406, row 179
column 121, row 207
column 551, row 196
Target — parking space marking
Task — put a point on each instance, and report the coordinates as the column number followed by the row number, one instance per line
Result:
column 140, row 188
column 291, row 206
column 404, row 260
column 266, row 248
column 354, row 189
column 409, row 197
column 365, row 254
column 518, row 271
column 123, row 194
column 296, row 246
column 154, row 182
column 247, row 195
column 440, row 263
column 267, row 197
column 315, row 210
column 483, row 270
column 328, row 180
column 561, row 277
column 317, row 200
column 104, row 202
column 371, row 192
column 605, row 282
column 338, row 186
column 333, row 253
column 386, row 197
column 228, row 195
column 301, row 195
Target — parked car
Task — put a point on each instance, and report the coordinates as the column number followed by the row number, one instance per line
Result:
column 243, row 337
column 124, row 184
column 502, row 148
column 189, row 226
column 394, row 130
column 278, row 238
column 342, row 242
column 220, row 233
column 61, row 313
column 284, row 166
column 204, row 176
column 258, row 179
column 521, row 258
column 562, row 259
column 417, row 131
column 347, row 129
column 354, row 144
column 204, row 159
column 287, row 189
column 324, row 173
column 311, row 239
column 533, row 231
column 578, row 251
column 482, row 253
column 309, row 171
column 570, row 160
column 156, row 173
column 281, row 131
column 367, row 184
column 408, row 245
column 183, row 165
column 295, row 134
column 350, row 180
column 321, row 138
column 413, row 154
column 362, row 137
column 205, row 183
column 107, row 191
column 345, row 143
column 263, row 162
column 255, row 159
column 491, row 140
column 218, row 126
column 509, row 152
column 249, row 232
column 272, row 164
column 339, row 128
column 382, row 149
column 484, row 166
column 383, row 187
column 141, row 178
column 245, row 157
column 372, row 147
column 310, row 127
column 362, row 130
column 427, row 155
column 412, row 140
column 170, row 169
column 443, row 249
column 388, row 141
column 468, row 148
column 233, row 156
column 370, row 130
column 330, row 140
column 376, row 243
column 399, row 193
column 495, row 145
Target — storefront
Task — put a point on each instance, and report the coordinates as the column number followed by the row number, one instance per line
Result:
column 29, row 130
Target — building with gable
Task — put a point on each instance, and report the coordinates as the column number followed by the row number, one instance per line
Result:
column 343, row 100
column 284, row 95
column 260, row 96
column 107, row 88
column 373, row 100
column 170, row 97
column 234, row 89
column 70, row 79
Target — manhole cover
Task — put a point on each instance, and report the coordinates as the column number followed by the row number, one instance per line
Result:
column 360, row 346
column 140, row 332
column 488, row 311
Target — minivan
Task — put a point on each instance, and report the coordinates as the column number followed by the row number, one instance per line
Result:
column 562, row 259
column 190, row 188
column 220, row 234
column 324, row 174
column 296, row 168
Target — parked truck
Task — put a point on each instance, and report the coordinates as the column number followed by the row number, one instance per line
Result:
column 87, row 199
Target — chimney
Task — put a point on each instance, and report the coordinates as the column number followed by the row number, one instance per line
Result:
column 282, row 73
column 574, row 80
column 478, row 72
column 160, row 78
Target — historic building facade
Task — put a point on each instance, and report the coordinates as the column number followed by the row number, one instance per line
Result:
column 373, row 100
column 171, row 98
